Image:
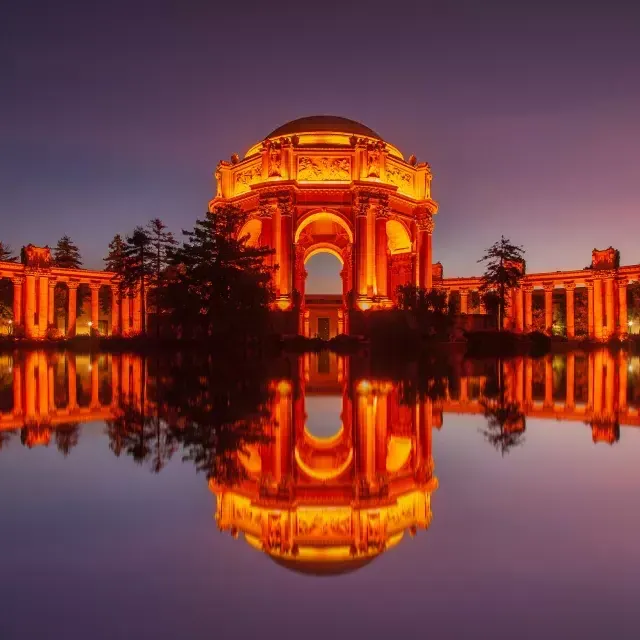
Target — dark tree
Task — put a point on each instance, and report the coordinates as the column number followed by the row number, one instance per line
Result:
column 504, row 267
column 6, row 253
column 429, row 306
column 506, row 421
column 219, row 285
column 162, row 246
column 138, row 266
column 66, row 437
column 66, row 254
column 115, row 260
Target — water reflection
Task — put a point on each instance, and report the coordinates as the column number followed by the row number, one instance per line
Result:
column 316, row 500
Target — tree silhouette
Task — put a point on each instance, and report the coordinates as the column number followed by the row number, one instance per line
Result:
column 66, row 437
column 506, row 422
column 66, row 254
column 6, row 253
column 162, row 244
column 504, row 269
column 219, row 285
column 137, row 266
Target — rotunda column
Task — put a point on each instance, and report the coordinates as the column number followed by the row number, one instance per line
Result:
column 361, row 252
column 464, row 301
column 286, row 250
column 425, row 227
column 518, row 296
column 382, row 263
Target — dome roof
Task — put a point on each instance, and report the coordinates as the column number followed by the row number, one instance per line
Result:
column 333, row 124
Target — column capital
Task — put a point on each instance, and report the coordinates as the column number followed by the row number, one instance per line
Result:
column 549, row 286
column 589, row 285
column 382, row 211
column 464, row 291
column 426, row 223
column 95, row 286
column 569, row 286
column 52, row 283
column 17, row 281
column 527, row 287
column 622, row 282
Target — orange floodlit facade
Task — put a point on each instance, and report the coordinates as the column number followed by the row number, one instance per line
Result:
column 329, row 184
column 34, row 283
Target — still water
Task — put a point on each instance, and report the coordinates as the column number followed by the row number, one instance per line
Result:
column 319, row 496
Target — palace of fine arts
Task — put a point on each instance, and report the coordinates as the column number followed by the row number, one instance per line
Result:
column 326, row 184
column 319, row 320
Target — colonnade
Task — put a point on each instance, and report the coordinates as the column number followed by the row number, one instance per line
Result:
column 34, row 299
column 606, row 292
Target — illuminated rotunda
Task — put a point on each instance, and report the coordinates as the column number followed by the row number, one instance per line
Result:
column 330, row 184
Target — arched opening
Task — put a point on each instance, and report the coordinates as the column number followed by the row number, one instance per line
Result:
column 252, row 229
column 324, row 290
column 400, row 263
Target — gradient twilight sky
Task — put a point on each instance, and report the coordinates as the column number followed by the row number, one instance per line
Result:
column 116, row 112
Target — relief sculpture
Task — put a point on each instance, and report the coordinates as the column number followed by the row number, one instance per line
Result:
column 324, row 168
column 243, row 179
column 400, row 178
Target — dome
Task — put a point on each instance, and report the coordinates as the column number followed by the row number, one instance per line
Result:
column 332, row 124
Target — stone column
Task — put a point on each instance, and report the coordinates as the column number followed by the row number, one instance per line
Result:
column 361, row 252
column 464, row 301
column 528, row 382
column 30, row 305
column 115, row 310
column 43, row 306
column 623, row 319
column 381, row 416
column 610, row 307
column 518, row 297
column 569, row 288
column 590, row 312
column 597, row 308
column 382, row 263
column 425, row 269
column 528, row 307
column 17, row 300
column 115, row 381
column 137, row 312
column 95, row 306
column 17, row 389
column 598, row 382
column 548, row 306
column 125, row 312
column 72, row 304
column 51, row 315
column 286, row 248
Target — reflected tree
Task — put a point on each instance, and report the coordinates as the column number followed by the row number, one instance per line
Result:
column 66, row 437
column 506, row 422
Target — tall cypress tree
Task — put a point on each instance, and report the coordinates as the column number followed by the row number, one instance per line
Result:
column 66, row 254
column 162, row 245
column 503, row 271
column 138, row 266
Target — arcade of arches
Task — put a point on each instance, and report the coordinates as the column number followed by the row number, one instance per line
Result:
column 329, row 184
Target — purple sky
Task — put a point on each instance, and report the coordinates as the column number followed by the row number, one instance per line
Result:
column 116, row 112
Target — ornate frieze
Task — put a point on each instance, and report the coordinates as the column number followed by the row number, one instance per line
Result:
column 399, row 177
column 245, row 178
column 324, row 168
column 36, row 258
